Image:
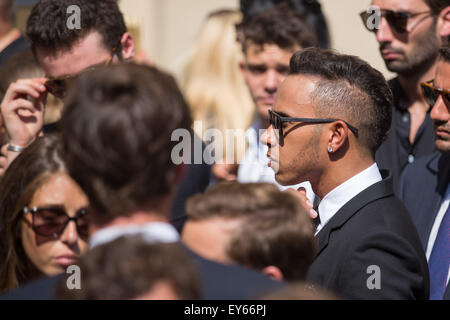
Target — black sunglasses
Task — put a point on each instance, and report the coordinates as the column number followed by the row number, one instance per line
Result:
column 432, row 93
column 398, row 20
column 52, row 221
column 58, row 86
column 277, row 121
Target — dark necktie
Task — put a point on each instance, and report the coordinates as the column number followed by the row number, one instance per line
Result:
column 440, row 259
column 316, row 220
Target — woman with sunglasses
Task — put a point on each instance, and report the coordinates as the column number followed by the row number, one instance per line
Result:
column 43, row 216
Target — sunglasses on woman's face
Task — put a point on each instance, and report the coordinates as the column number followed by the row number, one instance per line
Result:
column 398, row 20
column 52, row 221
column 432, row 93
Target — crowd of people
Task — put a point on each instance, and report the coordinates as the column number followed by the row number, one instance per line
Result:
column 342, row 190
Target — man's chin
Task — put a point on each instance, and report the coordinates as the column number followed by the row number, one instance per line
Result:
column 443, row 146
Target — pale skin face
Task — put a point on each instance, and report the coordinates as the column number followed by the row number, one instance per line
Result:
column 51, row 256
column 210, row 237
column 264, row 70
column 405, row 52
column 294, row 160
column 440, row 114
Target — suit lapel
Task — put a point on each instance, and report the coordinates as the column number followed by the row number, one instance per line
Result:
column 376, row 191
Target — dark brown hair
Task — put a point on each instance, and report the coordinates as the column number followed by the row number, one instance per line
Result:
column 280, row 26
column 437, row 5
column 117, row 127
column 444, row 54
column 24, row 176
column 349, row 89
column 129, row 267
column 47, row 24
column 275, row 230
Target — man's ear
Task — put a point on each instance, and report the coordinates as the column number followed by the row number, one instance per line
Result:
column 128, row 49
column 273, row 273
column 338, row 137
column 444, row 24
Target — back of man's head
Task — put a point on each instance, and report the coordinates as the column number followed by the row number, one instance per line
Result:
column 272, row 229
column 280, row 26
column 349, row 89
column 131, row 268
column 117, row 127
column 48, row 27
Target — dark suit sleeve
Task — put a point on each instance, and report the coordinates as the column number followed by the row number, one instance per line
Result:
column 400, row 272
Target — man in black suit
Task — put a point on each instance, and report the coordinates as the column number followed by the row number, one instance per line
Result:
column 425, row 185
column 331, row 114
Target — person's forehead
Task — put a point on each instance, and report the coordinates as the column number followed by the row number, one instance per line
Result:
column 85, row 53
column 442, row 79
column 268, row 53
column 401, row 5
column 294, row 94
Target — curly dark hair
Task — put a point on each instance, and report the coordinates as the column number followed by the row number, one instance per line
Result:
column 117, row 127
column 47, row 24
column 310, row 9
column 437, row 5
column 351, row 89
column 281, row 26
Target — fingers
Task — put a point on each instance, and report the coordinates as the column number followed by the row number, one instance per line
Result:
column 300, row 194
column 3, row 161
column 225, row 172
column 31, row 87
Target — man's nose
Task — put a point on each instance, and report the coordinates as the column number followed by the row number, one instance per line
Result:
column 384, row 33
column 271, row 82
column 440, row 111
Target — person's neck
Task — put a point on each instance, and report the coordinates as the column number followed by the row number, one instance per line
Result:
column 337, row 173
column 410, row 83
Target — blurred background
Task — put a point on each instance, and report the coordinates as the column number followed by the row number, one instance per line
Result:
column 166, row 29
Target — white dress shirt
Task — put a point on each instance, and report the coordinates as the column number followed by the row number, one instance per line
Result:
column 254, row 166
column 150, row 232
column 339, row 196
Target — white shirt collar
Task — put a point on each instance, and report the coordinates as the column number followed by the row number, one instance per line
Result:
column 151, row 232
column 339, row 196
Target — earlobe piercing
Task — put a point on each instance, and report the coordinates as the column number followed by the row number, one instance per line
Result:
column 330, row 149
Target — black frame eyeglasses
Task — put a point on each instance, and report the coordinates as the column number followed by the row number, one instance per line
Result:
column 398, row 20
column 277, row 121
column 51, row 221
column 431, row 93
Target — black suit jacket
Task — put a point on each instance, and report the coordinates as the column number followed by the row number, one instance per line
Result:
column 422, row 187
column 372, row 229
column 218, row 282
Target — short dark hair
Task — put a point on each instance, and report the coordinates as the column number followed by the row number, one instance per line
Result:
column 47, row 24
column 444, row 54
column 129, row 267
column 350, row 89
column 274, row 229
column 281, row 26
column 117, row 127
column 437, row 5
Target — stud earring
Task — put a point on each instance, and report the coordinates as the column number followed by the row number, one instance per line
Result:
column 330, row 149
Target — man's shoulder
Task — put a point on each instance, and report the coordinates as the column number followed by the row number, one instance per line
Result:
column 41, row 289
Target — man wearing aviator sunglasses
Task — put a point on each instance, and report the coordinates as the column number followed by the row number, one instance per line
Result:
column 425, row 185
column 409, row 33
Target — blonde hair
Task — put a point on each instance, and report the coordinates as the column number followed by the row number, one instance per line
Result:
column 212, row 81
